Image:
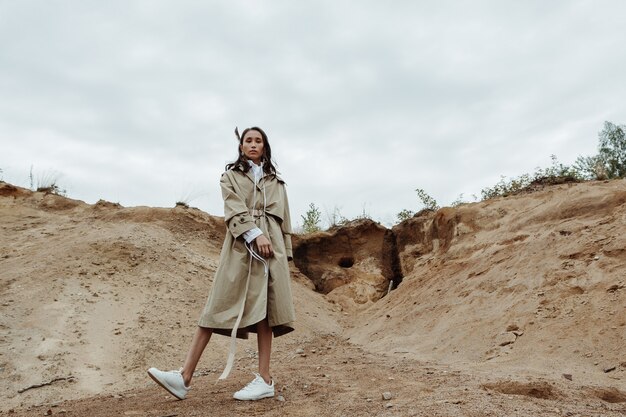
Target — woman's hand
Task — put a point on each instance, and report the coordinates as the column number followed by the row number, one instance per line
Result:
column 264, row 246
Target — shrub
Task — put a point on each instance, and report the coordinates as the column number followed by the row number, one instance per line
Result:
column 311, row 219
column 428, row 202
column 557, row 173
column 610, row 162
column 590, row 167
column 404, row 215
column 47, row 182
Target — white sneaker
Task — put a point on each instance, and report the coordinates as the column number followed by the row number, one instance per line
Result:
column 172, row 381
column 255, row 390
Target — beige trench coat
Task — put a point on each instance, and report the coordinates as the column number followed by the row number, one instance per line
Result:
column 266, row 296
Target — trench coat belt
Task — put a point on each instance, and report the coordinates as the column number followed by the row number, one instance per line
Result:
column 258, row 213
column 233, row 336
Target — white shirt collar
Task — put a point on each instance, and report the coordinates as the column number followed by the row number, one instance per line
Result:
column 257, row 170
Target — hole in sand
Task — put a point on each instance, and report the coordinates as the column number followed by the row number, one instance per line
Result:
column 346, row 262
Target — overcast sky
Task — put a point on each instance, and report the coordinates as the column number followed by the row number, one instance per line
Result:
column 364, row 101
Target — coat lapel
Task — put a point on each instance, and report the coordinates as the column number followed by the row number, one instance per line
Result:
column 250, row 176
column 259, row 185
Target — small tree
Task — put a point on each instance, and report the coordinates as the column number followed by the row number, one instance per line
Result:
column 428, row 202
column 610, row 162
column 590, row 167
column 404, row 215
column 311, row 219
column 613, row 149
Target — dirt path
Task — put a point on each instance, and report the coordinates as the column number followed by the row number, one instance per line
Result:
column 336, row 378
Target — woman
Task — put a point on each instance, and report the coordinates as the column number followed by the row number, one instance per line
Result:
column 251, row 290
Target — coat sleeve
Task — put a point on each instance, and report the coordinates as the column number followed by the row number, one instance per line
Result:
column 236, row 214
column 286, row 227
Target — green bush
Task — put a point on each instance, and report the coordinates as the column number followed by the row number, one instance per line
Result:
column 557, row 173
column 311, row 219
column 610, row 162
column 404, row 215
column 428, row 202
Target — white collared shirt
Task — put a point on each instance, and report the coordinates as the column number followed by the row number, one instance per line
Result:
column 257, row 170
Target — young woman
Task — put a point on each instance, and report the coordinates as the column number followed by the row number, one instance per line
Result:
column 251, row 290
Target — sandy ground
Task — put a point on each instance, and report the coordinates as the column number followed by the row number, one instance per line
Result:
column 509, row 307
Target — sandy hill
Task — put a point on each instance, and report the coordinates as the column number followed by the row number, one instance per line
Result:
column 511, row 306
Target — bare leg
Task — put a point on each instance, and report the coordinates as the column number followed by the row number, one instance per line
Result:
column 264, row 339
column 198, row 343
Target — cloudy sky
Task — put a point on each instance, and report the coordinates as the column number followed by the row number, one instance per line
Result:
column 364, row 101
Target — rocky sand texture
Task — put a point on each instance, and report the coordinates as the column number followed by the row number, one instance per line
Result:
column 512, row 306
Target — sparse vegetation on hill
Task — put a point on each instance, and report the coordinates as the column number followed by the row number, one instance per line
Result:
column 428, row 204
column 187, row 196
column 46, row 181
column 312, row 219
column 557, row 173
column 608, row 163
column 335, row 218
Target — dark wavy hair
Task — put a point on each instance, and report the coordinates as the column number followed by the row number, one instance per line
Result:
column 241, row 163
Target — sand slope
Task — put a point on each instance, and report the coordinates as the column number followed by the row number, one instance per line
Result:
column 498, row 300
column 534, row 282
column 99, row 292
